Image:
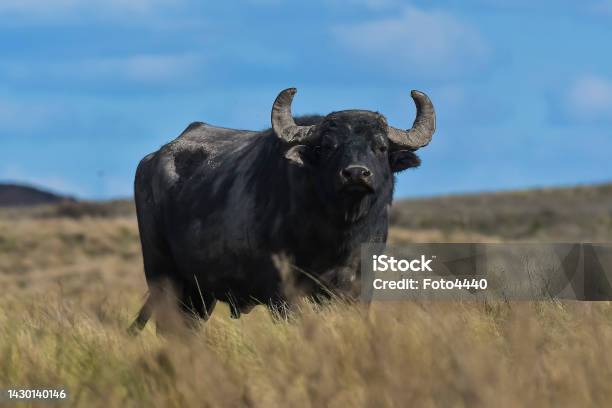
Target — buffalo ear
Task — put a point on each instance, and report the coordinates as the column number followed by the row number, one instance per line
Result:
column 403, row 159
column 300, row 155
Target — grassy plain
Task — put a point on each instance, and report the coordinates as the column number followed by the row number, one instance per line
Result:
column 71, row 279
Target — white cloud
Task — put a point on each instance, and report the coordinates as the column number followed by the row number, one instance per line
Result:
column 59, row 6
column 54, row 9
column 430, row 43
column 587, row 100
column 20, row 116
column 468, row 106
column 368, row 4
column 36, row 5
column 133, row 68
column 602, row 7
column 265, row 2
column 146, row 68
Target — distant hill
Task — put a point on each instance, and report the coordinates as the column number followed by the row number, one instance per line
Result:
column 14, row 195
column 582, row 213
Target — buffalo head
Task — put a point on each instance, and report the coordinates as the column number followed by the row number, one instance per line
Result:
column 351, row 155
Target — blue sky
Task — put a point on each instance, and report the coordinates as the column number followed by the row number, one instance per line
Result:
column 523, row 89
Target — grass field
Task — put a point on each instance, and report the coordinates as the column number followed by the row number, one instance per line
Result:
column 72, row 280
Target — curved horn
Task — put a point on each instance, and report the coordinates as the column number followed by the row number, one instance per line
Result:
column 423, row 127
column 282, row 120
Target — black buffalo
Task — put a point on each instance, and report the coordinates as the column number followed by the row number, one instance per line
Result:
column 216, row 205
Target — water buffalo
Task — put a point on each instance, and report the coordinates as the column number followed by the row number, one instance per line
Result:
column 216, row 205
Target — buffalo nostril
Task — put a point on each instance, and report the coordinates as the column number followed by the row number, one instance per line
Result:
column 355, row 173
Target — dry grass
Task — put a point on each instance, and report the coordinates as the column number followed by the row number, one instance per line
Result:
column 419, row 354
column 71, row 287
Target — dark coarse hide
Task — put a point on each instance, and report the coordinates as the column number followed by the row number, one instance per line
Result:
column 218, row 207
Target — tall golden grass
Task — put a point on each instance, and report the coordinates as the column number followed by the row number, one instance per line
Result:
column 71, row 288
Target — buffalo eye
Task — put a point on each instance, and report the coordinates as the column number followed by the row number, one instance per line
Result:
column 379, row 144
column 329, row 147
column 379, row 148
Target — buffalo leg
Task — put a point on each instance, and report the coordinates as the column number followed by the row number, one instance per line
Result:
column 143, row 317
